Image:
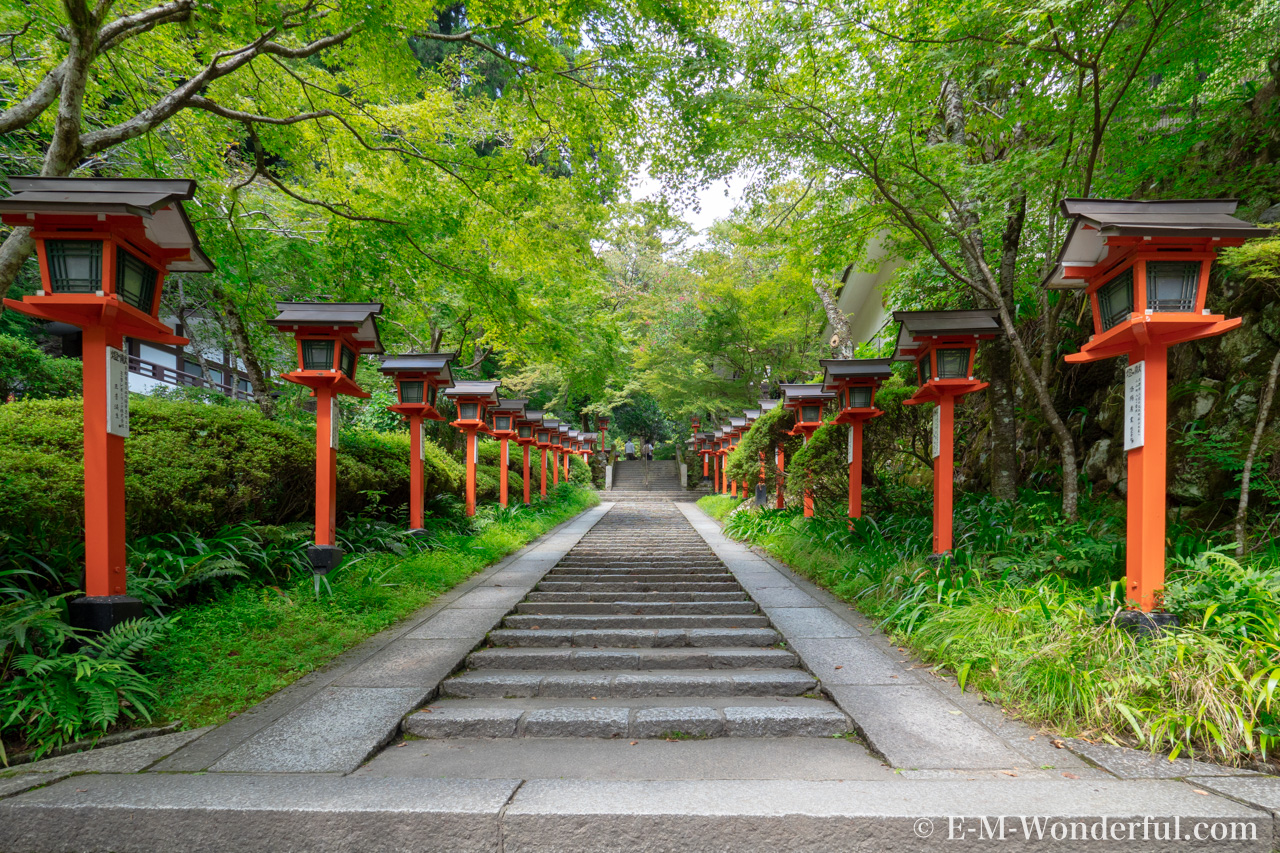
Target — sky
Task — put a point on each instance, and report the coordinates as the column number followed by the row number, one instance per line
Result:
column 714, row 201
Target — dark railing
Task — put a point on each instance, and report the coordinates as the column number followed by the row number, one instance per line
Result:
column 173, row 376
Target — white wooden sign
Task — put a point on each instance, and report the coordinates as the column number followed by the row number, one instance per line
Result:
column 937, row 431
column 1135, row 377
column 334, row 418
column 850, row 460
column 117, row 392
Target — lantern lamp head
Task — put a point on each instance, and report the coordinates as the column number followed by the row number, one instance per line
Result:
column 1144, row 266
column 807, row 401
column 329, row 337
column 854, row 381
column 942, row 345
column 419, row 378
column 474, row 399
column 105, row 244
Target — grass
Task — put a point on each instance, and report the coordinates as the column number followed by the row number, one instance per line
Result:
column 224, row 656
column 1026, row 613
column 719, row 506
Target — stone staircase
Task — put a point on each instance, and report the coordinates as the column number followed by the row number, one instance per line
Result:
column 626, row 639
column 640, row 480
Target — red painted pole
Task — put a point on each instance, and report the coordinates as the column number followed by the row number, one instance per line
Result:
column 944, row 476
column 567, row 457
column 705, row 463
column 543, row 488
column 733, row 487
column 525, row 448
column 855, row 469
column 808, row 492
column 415, row 472
column 555, row 466
column 502, row 472
column 472, row 447
column 326, row 467
column 104, row 556
column 780, row 499
column 1146, row 498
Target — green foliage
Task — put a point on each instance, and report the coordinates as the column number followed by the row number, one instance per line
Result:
column 197, row 467
column 766, row 433
column 1024, row 616
column 29, row 374
column 719, row 506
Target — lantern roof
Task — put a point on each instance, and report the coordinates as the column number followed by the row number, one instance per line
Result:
column 485, row 388
column 1094, row 220
column 796, row 392
column 532, row 415
column 838, row 369
column 563, row 428
column 719, row 433
column 515, row 404
column 767, row 405
column 737, row 423
column 420, row 362
column 300, row 316
column 158, row 201
column 751, row 414
column 943, row 324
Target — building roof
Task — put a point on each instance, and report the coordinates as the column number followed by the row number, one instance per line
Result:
column 939, row 324
column 358, row 315
column 420, row 362
column 1093, row 220
column 157, row 201
column 810, row 391
column 474, row 388
column 854, row 368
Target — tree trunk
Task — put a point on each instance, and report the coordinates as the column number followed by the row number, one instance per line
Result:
column 244, row 348
column 1004, row 424
column 842, row 341
column 1264, row 412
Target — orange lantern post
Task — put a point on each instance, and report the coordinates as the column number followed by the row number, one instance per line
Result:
column 419, row 378
column 474, row 399
column 855, row 382
column 504, row 425
column 329, row 337
column 1144, row 266
column 566, row 446
column 544, row 439
column 602, row 426
column 750, row 415
column 807, row 402
column 943, row 345
column 527, row 438
column 737, row 426
column 104, row 249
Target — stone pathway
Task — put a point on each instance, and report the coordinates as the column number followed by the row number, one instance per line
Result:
column 633, row 681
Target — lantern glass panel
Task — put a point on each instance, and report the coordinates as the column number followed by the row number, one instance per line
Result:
column 1115, row 300
column 922, row 369
column 526, row 431
column 543, row 437
column 411, row 392
column 1171, row 285
column 317, row 355
column 953, row 363
column 467, row 411
column 860, row 398
column 349, row 362
column 502, row 422
column 135, row 281
column 809, row 414
column 75, row 266
column 431, row 395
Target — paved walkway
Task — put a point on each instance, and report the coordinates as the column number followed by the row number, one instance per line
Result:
column 632, row 681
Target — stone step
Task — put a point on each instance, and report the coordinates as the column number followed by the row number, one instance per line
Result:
column 666, row 608
column 632, row 595
column 582, row 660
column 500, row 684
column 640, row 562
column 469, row 718
column 611, row 573
column 639, row 580
column 635, row 586
column 637, row 638
column 578, row 623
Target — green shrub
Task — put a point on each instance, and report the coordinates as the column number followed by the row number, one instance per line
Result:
column 191, row 466
column 29, row 374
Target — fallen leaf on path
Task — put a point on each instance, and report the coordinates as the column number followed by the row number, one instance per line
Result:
column 1071, row 775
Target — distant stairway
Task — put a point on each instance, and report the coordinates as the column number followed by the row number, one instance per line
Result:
column 640, row 480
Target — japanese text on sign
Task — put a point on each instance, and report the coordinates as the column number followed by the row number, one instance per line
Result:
column 937, row 431
column 117, row 392
column 1134, row 405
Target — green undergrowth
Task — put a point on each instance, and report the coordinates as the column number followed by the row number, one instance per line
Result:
column 718, row 506
column 224, row 656
column 1025, row 613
